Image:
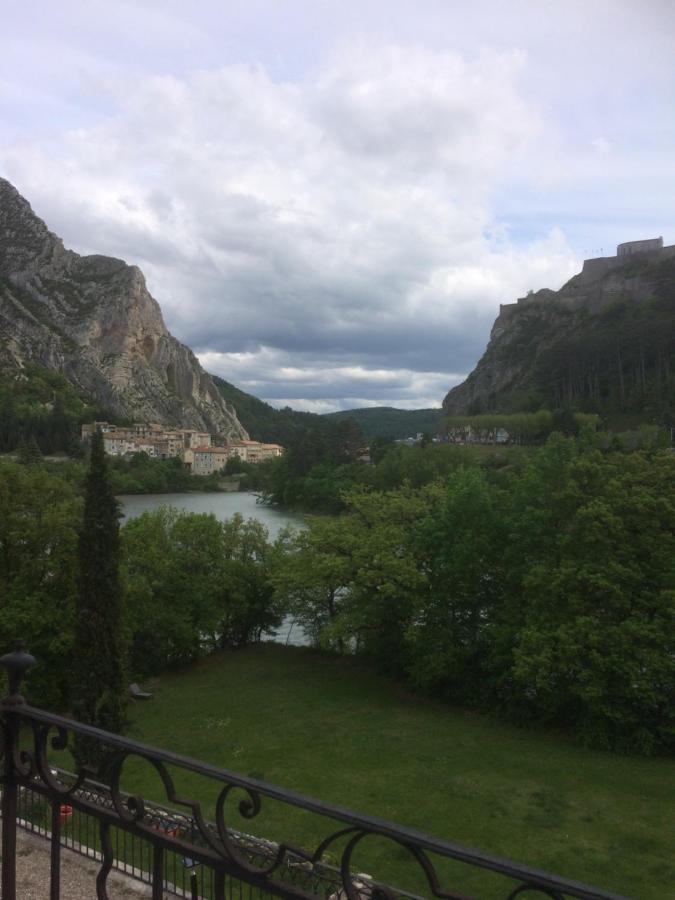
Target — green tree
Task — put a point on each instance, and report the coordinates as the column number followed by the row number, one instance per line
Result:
column 194, row 584
column 29, row 452
column 157, row 615
column 351, row 581
column 596, row 649
column 452, row 635
column 312, row 579
column 249, row 606
column 389, row 573
column 99, row 695
column 38, row 572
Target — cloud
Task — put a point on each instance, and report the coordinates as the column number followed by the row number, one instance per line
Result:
column 322, row 239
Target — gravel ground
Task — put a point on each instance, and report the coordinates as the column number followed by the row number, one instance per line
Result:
column 78, row 875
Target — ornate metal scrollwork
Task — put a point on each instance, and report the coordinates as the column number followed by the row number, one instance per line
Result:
column 217, row 845
column 59, row 741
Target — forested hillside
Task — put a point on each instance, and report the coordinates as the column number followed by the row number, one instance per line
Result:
column 604, row 346
column 262, row 421
column 40, row 406
column 389, row 422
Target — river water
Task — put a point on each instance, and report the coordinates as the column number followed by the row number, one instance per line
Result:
column 224, row 505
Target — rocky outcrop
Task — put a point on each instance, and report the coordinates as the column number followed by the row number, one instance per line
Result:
column 610, row 327
column 93, row 319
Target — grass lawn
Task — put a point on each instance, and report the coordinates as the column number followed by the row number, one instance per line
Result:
column 331, row 728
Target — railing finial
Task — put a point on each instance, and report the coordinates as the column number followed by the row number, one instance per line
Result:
column 17, row 664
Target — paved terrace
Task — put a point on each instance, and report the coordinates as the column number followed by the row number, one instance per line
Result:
column 78, row 874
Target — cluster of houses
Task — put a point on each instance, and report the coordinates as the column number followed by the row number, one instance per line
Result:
column 194, row 448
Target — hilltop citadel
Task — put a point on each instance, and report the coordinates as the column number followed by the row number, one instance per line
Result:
column 602, row 280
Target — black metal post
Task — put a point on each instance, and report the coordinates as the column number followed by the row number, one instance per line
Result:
column 16, row 664
column 157, row 873
column 55, row 860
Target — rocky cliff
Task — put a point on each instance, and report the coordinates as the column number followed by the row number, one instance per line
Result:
column 93, row 319
column 604, row 342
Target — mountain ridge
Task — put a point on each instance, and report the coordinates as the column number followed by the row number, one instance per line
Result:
column 605, row 342
column 93, row 319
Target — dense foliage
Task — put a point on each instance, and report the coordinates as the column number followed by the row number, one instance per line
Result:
column 537, row 583
column 195, row 584
column 190, row 584
column 545, row 591
column 315, row 469
column 315, row 478
column 389, row 422
column 39, row 519
column 519, row 428
column 42, row 406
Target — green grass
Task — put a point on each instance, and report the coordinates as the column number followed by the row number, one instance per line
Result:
column 328, row 727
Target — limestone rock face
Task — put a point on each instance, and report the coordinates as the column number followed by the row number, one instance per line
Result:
column 549, row 345
column 93, row 319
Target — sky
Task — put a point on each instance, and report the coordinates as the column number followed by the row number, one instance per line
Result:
column 331, row 198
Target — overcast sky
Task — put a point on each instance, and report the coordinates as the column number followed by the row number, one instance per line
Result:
column 331, row 198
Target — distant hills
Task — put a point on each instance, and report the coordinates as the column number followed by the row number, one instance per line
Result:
column 265, row 423
column 262, row 421
column 389, row 422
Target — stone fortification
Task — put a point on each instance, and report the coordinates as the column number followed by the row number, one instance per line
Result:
column 605, row 279
column 626, row 253
column 646, row 246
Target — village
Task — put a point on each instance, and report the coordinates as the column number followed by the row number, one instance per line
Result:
column 194, row 448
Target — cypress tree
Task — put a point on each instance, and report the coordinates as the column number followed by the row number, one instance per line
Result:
column 99, row 696
column 29, row 451
column 33, row 451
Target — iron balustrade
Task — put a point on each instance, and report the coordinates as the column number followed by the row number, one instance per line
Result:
column 181, row 878
column 271, row 868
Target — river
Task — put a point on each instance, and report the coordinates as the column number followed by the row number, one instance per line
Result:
column 224, row 505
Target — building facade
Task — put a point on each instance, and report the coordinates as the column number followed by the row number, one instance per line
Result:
column 194, row 448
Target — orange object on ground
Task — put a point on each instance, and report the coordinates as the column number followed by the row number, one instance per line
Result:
column 65, row 812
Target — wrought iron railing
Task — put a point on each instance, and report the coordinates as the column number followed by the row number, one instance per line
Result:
column 271, row 868
column 182, row 877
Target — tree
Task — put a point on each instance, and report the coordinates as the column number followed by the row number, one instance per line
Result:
column 38, row 551
column 29, row 452
column 596, row 647
column 98, row 682
column 451, row 638
column 194, row 584
column 350, row 581
column 313, row 578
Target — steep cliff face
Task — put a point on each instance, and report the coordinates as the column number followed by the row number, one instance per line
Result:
column 604, row 341
column 92, row 318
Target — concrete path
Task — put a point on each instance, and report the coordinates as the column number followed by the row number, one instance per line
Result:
column 78, row 874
